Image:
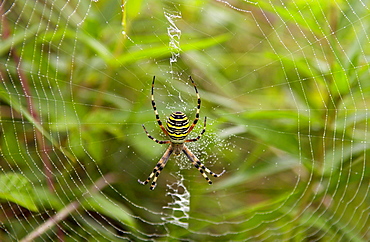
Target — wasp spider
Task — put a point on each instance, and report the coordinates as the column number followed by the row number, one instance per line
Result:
column 177, row 129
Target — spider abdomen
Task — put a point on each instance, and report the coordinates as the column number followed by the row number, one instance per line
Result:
column 177, row 127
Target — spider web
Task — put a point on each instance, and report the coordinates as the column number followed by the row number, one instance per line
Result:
column 284, row 86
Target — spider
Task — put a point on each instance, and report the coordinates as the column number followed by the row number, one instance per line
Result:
column 177, row 129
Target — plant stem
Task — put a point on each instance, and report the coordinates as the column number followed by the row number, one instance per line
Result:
column 43, row 147
column 70, row 208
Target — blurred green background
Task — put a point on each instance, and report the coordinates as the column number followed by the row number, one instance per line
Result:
column 284, row 86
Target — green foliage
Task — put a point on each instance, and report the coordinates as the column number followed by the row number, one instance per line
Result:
column 16, row 188
column 284, row 87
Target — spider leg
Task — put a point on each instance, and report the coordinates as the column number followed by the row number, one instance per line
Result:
column 154, row 139
column 199, row 165
column 155, row 110
column 157, row 169
column 198, row 106
column 201, row 133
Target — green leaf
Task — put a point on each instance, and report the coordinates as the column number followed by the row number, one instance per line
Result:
column 46, row 199
column 109, row 207
column 15, row 104
column 16, row 188
column 164, row 50
column 273, row 135
column 239, row 178
column 17, row 39
column 344, row 153
column 132, row 8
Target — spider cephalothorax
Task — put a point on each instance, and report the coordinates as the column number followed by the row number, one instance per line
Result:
column 177, row 129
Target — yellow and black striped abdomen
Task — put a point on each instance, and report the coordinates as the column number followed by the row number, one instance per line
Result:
column 177, row 127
